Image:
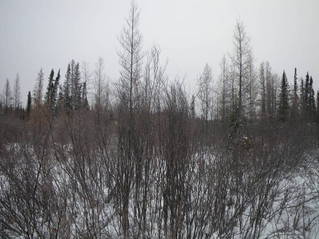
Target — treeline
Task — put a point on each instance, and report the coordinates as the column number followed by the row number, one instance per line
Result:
column 145, row 159
column 267, row 97
column 252, row 94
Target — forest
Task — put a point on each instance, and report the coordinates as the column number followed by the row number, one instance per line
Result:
column 144, row 158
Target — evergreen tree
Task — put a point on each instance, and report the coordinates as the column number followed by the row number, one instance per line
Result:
column 308, row 103
column 84, row 99
column 29, row 101
column 60, row 100
column 76, row 87
column 312, row 103
column 66, row 89
column 52, row 91
column 55, row 92
column 307, row 95
column 72, row 87
column 48, row 96
column 283, row 99
column 302, row 97
column 72, row 93
column 295, row 98
column 193, row 107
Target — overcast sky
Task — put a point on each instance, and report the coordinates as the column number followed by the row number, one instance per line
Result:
column 190, row 33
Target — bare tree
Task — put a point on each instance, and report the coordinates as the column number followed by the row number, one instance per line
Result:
column 128, row 92
column 87, row 82
column 262, row 81
column 252, row 88
column 205, row 92
column 17, row 93
column 225, row 86
column 7, row 95
column 99, row 81
column 268, row 90
column 130, row 56
column 38, row 89
column 241, row 61
column 140, row 165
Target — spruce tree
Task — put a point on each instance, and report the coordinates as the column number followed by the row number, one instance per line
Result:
column 66, row 89
column 309, row 106
column 84, row 99
column 307, row 95
column 283, row 99
column 295, row 98
column 52, row 91
column 76, row 86
column 55, row 92
column 192, row 107
column 60, row 100
column 48, row 96
column 29, row 101
column 312, row 103
column 302, row 98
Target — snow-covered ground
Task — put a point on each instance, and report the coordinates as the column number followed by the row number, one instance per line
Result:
column 78, row 201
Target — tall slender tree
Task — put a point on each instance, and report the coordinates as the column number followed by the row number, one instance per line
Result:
column 130, row 74
column 205, row 93
column 312, row 101
column 295, row 98
column 262, row 81
column 84, row 99
column 29, row 102
column 76, row 88
column 38, row 89
column 269, row 90
column 241, row 61
column 252, row 88
column 130, row 56
column 55, row 90
column 225, row 89
column 17, row 93
column 302, row 98
column 99, row 81
column 307, row 95
column 50, row 87
column 7, row 95
column 52, row 91
column 67, row 89
column 283, row 99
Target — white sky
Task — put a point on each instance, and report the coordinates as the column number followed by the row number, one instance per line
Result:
column 190, row 33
